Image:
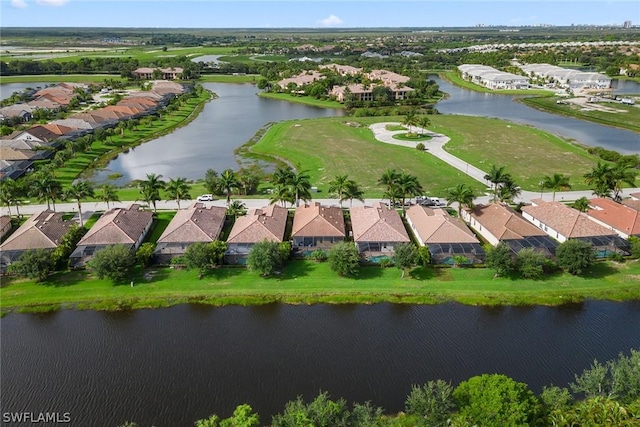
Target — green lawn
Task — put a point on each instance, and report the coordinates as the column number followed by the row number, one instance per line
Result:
column 227, row 78
column 308, row 100
column 308, row 282
column 330, row 146
column 629, row 119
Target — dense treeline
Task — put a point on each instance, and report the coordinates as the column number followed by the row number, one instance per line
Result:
column 604, row 395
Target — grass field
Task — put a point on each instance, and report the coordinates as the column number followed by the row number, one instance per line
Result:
column 629, row 119
column 329, row 146
column 308, row 100
column 309, row 282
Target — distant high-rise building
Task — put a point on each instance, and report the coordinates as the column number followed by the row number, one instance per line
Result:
column 627, row 24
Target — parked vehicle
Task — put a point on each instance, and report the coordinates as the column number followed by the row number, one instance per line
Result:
column 205, row 198
column 428, row 201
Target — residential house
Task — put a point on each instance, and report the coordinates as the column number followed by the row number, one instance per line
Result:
column 492, row 78
column 562, row 223
column 301, row 79
column 343, row 70
column 37, row 133
column 268, row 223
column 117, row 226
column 616, row 217
column 444, row 235
column 498, row 223
column 40, row 231
column 377, row 230
column 317, row 227
column 18, row 112
column 146, row 73
column 198, row 223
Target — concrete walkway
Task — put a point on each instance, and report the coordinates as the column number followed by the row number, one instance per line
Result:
column 435, row 147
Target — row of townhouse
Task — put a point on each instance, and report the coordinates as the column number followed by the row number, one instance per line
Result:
column 146, row 73
column 543, row 225
column 53, row 97
column 375, row 230
column 492, row 78
column 360, row 92
column 20, row 149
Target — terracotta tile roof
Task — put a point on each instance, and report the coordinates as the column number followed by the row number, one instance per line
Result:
column 76, row 123
column 635, row 196
column 109, row 114
column 89, row 117
column 267, row 223
column 198, row 223
column 302, row 79
column 633, row 204
column 40, row 231
column 58, row 129
column 42, row 133
column 437, row 226
column 315, row 221
column 118, row 226
column 504, row 223
column 377, row 224
column 567, row 221
column 622, row 218
column 10, row 153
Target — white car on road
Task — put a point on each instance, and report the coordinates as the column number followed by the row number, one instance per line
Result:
column 205, row 198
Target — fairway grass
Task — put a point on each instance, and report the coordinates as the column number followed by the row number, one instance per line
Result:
column 327, row 147
column 307, row 282
column 307, row 100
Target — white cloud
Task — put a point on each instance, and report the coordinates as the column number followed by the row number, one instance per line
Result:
column 19, row 4
column 330, row 21
column 52, row 2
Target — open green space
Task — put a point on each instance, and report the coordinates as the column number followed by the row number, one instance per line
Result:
column 415, row 137
column 309, row 282
column 328, row 147
column 227, row 78
column 528, row 153
column 308, row 100
column 55, row 78
column 628, row 118
column 455, row 79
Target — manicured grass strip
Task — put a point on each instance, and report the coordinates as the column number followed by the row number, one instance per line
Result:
column 160, row 223
column 53, row 78
column 629, row 119
column 331, row 146
column 412, row 137
column 307, row 100
column 226, row 78
column 308, row 282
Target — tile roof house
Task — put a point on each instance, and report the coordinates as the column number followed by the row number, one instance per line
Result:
column 562, row 223
column 623, row 220
column 497, row 223
column 198, row 223
column 38, row 133
column 165, row 73
column 301, row 79
column 444, row 235
column 40, row 231
column 21, row 111
column 317, row 227
column 377, row 230
column 116, row 226
column 268, row 223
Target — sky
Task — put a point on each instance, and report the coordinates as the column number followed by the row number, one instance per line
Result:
column 313, row 13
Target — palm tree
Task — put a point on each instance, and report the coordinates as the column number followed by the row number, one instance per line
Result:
column 556, row 182
column 178, row 189
column 352, row 191
column 389, row 179
column 300, row 187
column 582, row 204
column 10, row 194
column 408, row 185
column 45, row 188
column 338, row 186
column 281, row 194
column 236, row 208
column 228, row 182
column 508, row 190
column 463, row 195
column 150, row 189
column 496, row 176
column 622, row 173
column 80, row 190
column 600, row 179
column 282, row 176
column 410, row 119
column 108, row 194
column 423, row 122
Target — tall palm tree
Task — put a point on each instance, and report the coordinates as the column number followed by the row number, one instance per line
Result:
column 178, row 189
column 108, row 194
column 236, row 208
column 408, row 186
column 281, row 194
column 352, row 191
column 10, row 194
column 411, row 119
column 80, row 190
column 599, row 178
column 338, row 186
column 463, row 195
column 45, row 188
column 423, row 122
column 228, row 182
column 282, row 176
column 150, row 189
column 497, row 176
column 581, row 204
column 508, row 190
column 556, row 182
column 389, row 180
column 622, row 173
column 300, row 187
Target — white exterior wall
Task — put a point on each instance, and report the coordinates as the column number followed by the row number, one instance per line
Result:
column 415, row 231
column 609, row 227
column 542, row 226
column 473, row 223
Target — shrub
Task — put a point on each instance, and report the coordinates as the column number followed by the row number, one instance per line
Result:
column 420, row 146
column 35, row 265
column 114, row 262
column 144, row 254
column 530, row 263
column 386, row 263
column 499, row 259
column 265, row 257
column 432, row 403
column 318, row 255
column 344, row 259
column 574, row 256
column 635, row 246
